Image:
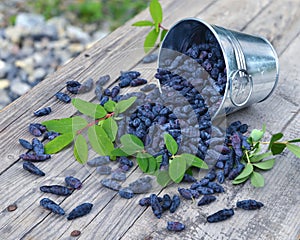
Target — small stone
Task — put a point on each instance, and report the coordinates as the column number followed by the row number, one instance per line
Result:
column 3, row 69
column 4, row 83
column 76, row 34
column 75, row 233
column 29, row 20
column 12, row 207
column 39, row 74
column 19, row 88
column 75, row 48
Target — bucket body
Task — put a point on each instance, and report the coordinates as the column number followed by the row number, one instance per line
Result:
column 251, row 63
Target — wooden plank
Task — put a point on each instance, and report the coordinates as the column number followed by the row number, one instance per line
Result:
column 17, row 191
column 106, row 210
column 256, row 225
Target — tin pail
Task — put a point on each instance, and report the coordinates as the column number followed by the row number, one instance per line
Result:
column 249, row 72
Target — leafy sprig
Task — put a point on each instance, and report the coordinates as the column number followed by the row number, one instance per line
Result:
column 179, row 164
column 255, row 160
column 101, row 132
column 156, row 26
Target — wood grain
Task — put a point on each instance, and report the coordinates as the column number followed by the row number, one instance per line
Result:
column 115, row 218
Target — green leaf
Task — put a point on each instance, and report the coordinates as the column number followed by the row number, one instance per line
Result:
column 259, row 157
column 118, row 152
column 257, row 180
column 177, row 168
column 152, row 165
column 81, row 149
column 156, row 13
column 143, row 161
column 59, row 143
column 192, row 160
column 163, row 178
column 150, row 40
column 256, row 135
column 109, row 106
column 158, row 160
column 131, row 144
column 294, row 149
column 163, row 34
column 93, row 110
column 265, row 165
column 246, row 172
column 294, row 140
column 277, row 148
column 240, row 180
column 171, row 144
column 275, row 138
column 123, row 105
column 143, row 23
column 65, row 125
column 111, row 128
column 99, row 140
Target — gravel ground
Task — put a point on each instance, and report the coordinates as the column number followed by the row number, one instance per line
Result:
column 34, row 47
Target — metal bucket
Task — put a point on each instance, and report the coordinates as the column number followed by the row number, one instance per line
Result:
column 251, row 62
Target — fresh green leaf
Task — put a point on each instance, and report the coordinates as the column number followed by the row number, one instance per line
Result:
column 109, row 106
column 257, row 180
column 150, row 40
column 294, row 149
column 93, row 110
column 277, row 148
column 240, row 180
column 156, row 13
column 152, row 165
column 123, row 105
column 192, row 160
column 163, row 34
column 143, row 23
column 294, row 140
column 143, row 160
column 111, row 128
column 265, row 165
column 259, row 157
column 81, row 149
column 163, row 178
column 119, row 152
column 275, row 138
column 177, row 168
column 99, row 140
column 171, row 144
column 158, row 160
column 256, row 135
column 246, row 172
column 65, row 125
column 59, row 143
column 189, row 171
column 131, row 144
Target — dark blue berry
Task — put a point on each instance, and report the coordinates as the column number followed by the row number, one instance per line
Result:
column 79, row 211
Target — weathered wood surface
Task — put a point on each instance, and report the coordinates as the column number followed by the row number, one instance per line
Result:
column 116, row 218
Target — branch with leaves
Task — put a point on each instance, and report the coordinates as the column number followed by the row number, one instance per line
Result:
column 178, row 165
column 101, row 132
column 156, row 26
column 255, row 160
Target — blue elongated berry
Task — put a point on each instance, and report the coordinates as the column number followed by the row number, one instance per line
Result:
column 155, row 205
column 175, row 226
column 52, row 206
column 42, row 112
column 30, row 167
column 138, row 82
column 249, row 204
column 111, row 184
column 206, row 199
column 126, row 193
column 38, row 147
column 73, row 182
column 167, row 201
column 175, row 203
column 25, row 144
column 63, row 97
column 185, row 193
column 79, row 211
column 35, row 158
column 220, row 215
column 56, row 189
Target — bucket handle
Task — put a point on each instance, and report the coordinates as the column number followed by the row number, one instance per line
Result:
column 243, row 79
